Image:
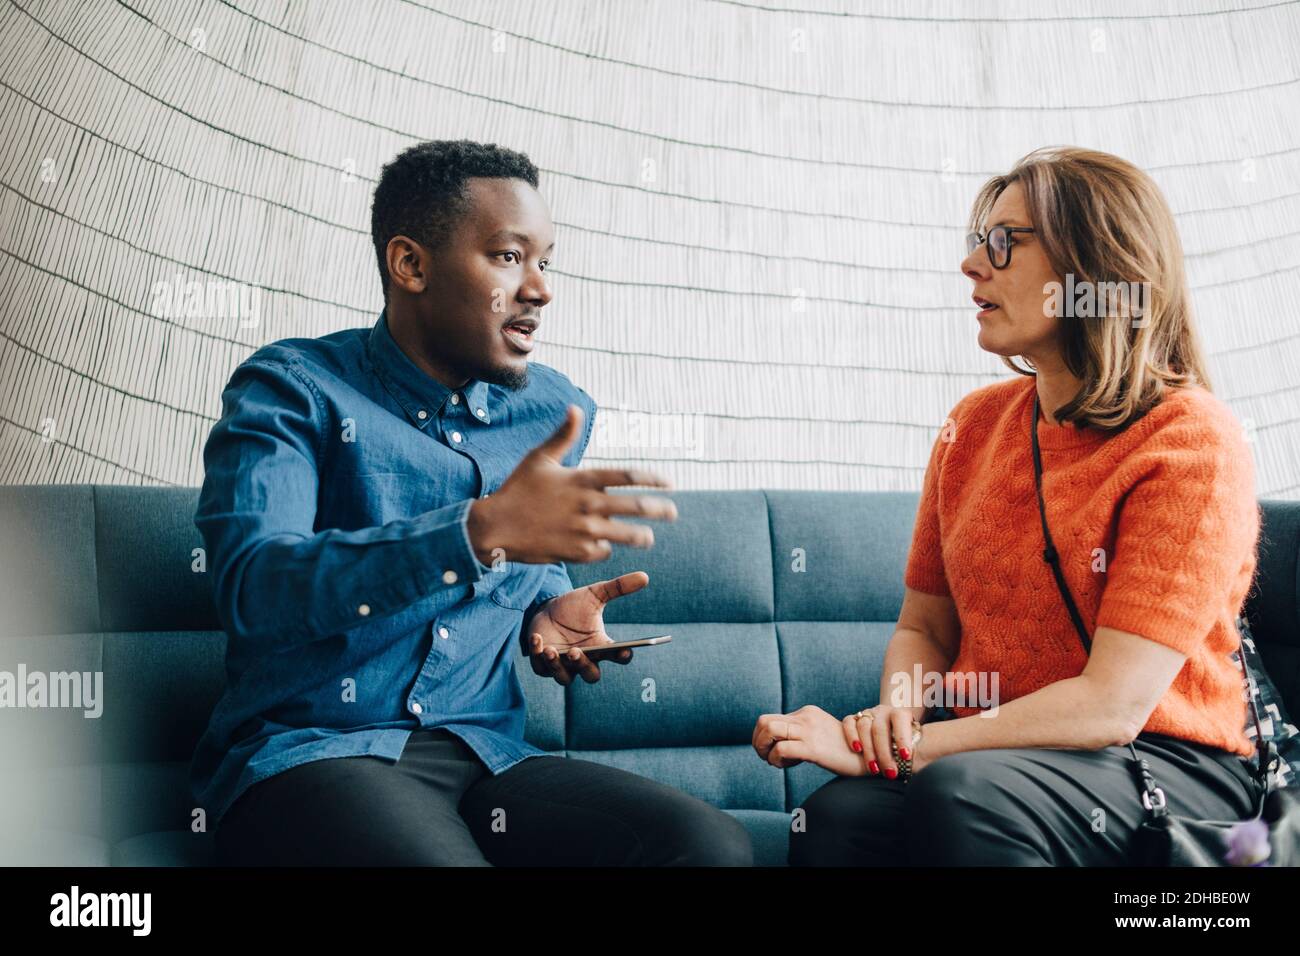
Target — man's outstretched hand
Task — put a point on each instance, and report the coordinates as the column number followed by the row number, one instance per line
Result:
column 545, row 513
column 576, row 620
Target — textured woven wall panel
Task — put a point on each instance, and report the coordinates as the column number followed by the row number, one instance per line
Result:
column 759, row 206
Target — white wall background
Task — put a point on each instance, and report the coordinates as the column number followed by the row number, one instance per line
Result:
column 760, row 210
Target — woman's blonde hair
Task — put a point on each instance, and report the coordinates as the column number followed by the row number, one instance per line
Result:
column 1103, row 220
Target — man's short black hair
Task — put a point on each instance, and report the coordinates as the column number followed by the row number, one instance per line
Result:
column 421, row 193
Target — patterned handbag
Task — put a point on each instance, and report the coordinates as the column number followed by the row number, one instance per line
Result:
column 1277, row 727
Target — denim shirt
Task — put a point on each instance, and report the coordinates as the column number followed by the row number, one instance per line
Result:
column 333, row 511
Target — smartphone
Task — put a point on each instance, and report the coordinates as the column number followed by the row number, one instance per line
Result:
column 619, row 645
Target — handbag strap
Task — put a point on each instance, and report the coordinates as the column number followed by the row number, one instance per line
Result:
column 1152, row 796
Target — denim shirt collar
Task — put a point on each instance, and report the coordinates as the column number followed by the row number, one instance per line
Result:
column 415, row 390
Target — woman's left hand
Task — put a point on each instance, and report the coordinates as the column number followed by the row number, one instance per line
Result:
column 874, row 733
column 811, row 734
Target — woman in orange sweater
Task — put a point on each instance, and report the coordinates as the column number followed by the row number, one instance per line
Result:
column 1149, row 494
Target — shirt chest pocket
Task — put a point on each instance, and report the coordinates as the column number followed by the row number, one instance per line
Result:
column 511, row 585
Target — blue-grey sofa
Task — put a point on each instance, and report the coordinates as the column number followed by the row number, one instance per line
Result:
column 774, row 600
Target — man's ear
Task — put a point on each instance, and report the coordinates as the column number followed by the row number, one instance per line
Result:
column 403, row 256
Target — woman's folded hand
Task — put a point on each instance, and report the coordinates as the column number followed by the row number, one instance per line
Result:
column 811, row 734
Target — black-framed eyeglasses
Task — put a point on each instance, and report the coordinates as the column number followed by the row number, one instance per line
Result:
column 999, row 240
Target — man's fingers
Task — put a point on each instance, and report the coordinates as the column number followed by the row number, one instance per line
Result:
column 558, row 445
column 612, row 477
column 600, row 652
column 624, row 584
column 558, row 670
column 621, row 532
column 535, row 657
column 584, row 665
column 654, row 507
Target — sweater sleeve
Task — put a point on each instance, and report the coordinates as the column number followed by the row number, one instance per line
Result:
column 925, row 571
column 1185, row 544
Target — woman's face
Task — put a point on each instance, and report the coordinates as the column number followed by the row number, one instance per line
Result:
column 1021, row 323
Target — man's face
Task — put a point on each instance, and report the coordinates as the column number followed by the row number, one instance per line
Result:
column 484, row 289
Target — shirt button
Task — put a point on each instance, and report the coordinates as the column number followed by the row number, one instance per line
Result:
column 363, row 610
column 479, row 412
column 444, row 633
column 455, row 398
column 455, row 436
column 422, row 414
column 450, row 577
column 416, row 708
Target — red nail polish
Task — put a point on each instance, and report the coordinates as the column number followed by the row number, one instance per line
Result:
column 891, row 773
column 902, row 751
column 874, row 767
column 857, row 746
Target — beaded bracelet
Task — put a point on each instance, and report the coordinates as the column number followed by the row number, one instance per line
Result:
column 905, row 766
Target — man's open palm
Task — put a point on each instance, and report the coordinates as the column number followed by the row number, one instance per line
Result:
column 576, row 620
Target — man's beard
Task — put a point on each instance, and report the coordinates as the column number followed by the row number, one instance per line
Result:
column 506, row 377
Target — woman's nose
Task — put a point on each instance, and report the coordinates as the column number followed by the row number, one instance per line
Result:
column 976, row 266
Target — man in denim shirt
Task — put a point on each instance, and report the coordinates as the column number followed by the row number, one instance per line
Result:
column 385, row 510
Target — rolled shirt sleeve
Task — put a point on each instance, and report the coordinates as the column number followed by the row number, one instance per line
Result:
column 278, row 582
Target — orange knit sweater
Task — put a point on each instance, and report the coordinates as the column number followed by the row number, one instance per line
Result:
column 1170, row 501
